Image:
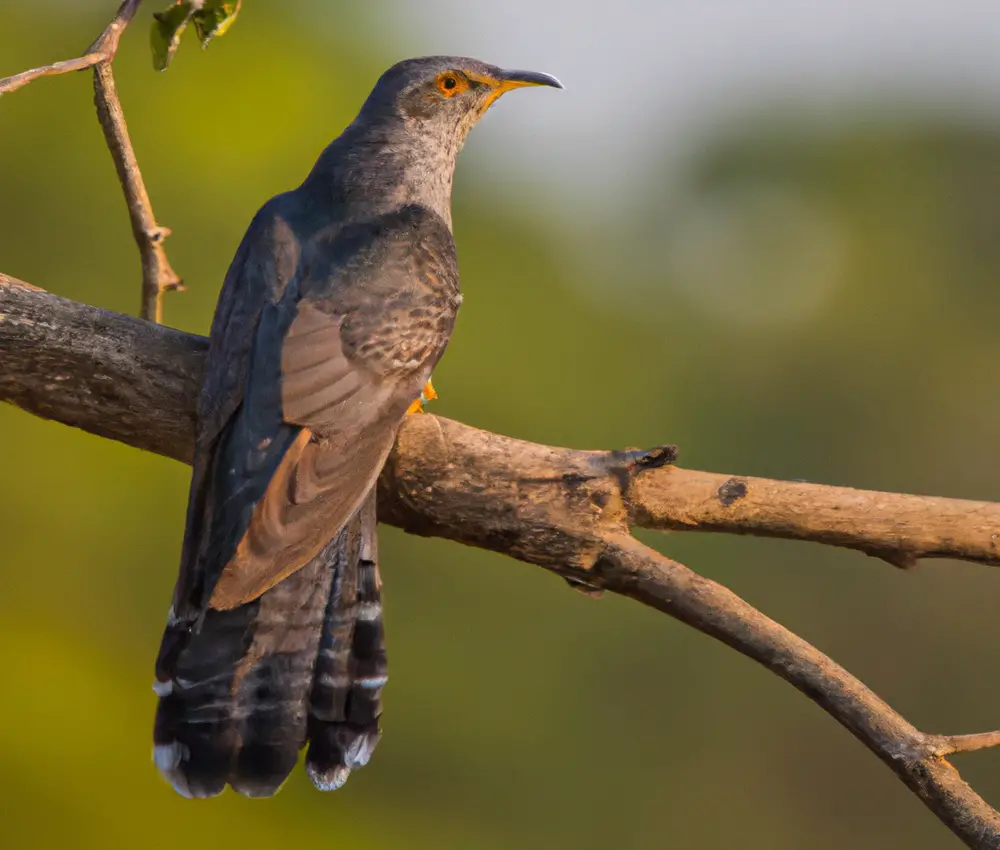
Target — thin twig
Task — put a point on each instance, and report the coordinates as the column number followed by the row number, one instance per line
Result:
column 157, row 275
column 568, row 511
column 81, row 63
column 102, row 50
column 107, row 41
column 943, row 745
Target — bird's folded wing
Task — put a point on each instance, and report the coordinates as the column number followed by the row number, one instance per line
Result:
column 237, row 445
column 347, row 418
column 321, row 341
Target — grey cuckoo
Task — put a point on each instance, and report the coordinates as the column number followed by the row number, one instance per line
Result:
column 335, row 310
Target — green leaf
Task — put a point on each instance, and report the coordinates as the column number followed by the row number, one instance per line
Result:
column 214, row 18
column 211, row 18
column 168, row 27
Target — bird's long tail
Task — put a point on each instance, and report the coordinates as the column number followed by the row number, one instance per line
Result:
column 346, row 700
column 240, row 696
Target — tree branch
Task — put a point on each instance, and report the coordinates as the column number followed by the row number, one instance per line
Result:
column 66, row 66
column 104, row 373
column 566, row 510
column 895, row 527
column 103, row 50
column 157, row 275
column 632, row 569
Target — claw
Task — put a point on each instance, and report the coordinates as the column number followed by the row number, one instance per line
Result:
column 427, row 394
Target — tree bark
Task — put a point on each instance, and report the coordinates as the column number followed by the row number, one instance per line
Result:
column 125, row 379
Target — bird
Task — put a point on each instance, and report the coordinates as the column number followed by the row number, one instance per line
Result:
column 337, row 306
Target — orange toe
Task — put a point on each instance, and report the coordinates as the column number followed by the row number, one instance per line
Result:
column 428, row 394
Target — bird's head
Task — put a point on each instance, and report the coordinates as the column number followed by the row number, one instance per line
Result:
column 444, row 96
column 402, row 146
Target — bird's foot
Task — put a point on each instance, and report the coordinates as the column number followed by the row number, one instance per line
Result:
column 428, row 394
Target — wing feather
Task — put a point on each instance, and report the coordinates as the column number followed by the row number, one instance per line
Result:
column 321, row 341
column 352, row 416
column 236, row 448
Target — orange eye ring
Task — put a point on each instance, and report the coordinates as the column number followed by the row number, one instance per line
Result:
column 450, row 83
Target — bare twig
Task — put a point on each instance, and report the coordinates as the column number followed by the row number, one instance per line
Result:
column 943, row 745
column 568, row 511
column 81, row 63
column 102, row 50
column 107, row 41
column 157, row 275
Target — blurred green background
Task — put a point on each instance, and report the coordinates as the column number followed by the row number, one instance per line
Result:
column 811, row 292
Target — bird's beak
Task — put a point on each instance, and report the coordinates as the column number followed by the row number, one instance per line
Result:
column 515, row 79
column 505, row 81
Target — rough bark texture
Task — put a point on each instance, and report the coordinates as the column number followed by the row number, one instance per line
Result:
column 568, row 511
column 896, row 527
column 107, row 373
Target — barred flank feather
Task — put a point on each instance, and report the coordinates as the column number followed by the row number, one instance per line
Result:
column 240, row 696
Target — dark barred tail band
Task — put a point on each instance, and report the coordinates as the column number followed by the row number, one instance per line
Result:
column 345, row 705
column 305, row 662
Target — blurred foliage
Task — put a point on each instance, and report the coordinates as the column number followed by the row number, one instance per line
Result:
column 810, row 301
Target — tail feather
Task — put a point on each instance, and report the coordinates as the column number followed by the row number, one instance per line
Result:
column 346, row 701
column 242, row 694
column 274, row 730
column 194, row 735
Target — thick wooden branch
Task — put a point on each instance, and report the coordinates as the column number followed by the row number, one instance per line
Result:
column 112, row 375
column 566, row 510
column 107, row 374
column 898, row 528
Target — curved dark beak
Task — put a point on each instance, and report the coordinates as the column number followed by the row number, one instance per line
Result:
column 515, row 79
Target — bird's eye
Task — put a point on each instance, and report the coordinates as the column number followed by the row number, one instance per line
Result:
column 449, row 84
